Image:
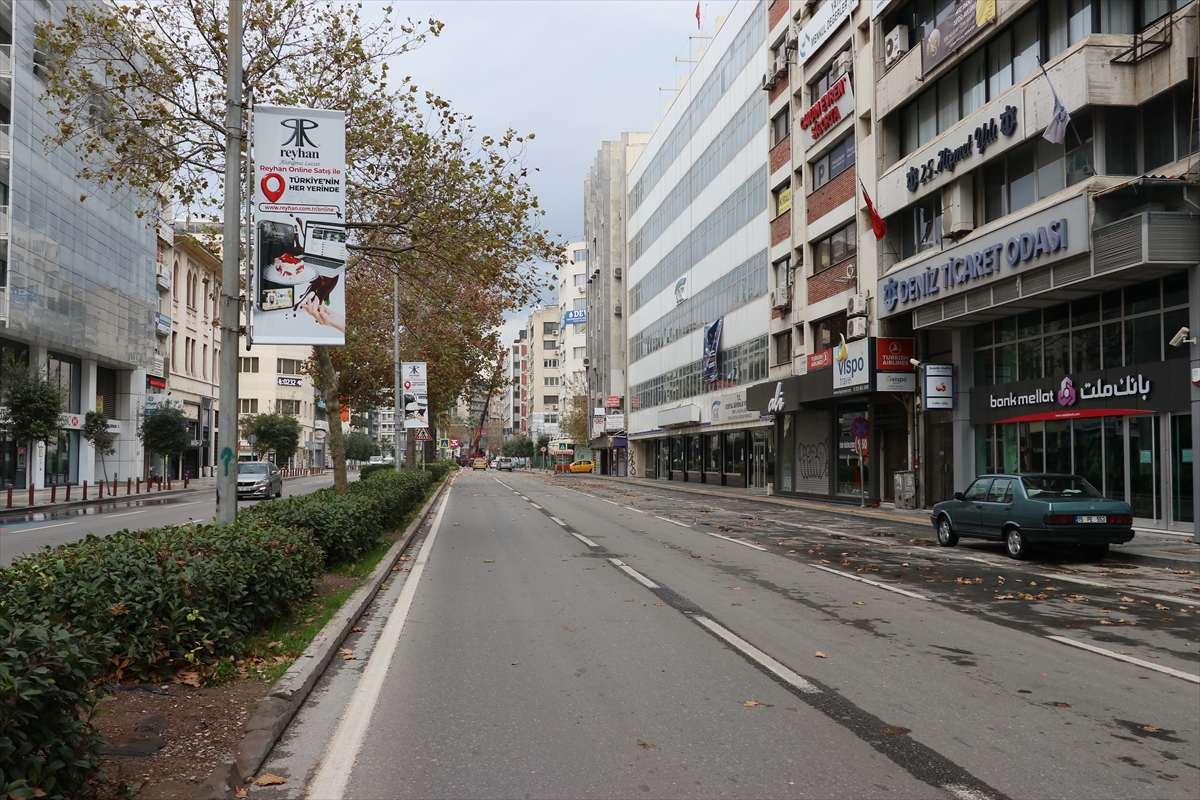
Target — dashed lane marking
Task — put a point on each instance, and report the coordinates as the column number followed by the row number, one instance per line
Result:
column 535, row 505
column 876, row 584
column 750, row 651
column 1127, row 659
column 633, row 573
column 735, row 541
column 585, row 540
column 1187, row 601
column 638, row 510
column 673, row 522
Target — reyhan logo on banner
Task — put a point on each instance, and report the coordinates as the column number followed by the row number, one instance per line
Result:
column 416, row 394
column 299, row 233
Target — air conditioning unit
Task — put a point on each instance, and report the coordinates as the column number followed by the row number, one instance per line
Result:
column 616, row 310
column 856, row 328
column 780, row 64
column 617, row 273
column 843, row 63
column 895, row 45
column 781, row 297
column 587, row 362
column 768, row 82
column 582, row 289
column 856, row 305
column 554, row 407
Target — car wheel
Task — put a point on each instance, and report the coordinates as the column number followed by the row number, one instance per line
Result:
column 1015, row 543
column 946, row 536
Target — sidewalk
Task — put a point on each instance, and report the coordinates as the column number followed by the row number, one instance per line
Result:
column 1150, row 547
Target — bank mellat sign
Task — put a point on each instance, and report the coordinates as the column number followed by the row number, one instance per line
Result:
column 1043, row 237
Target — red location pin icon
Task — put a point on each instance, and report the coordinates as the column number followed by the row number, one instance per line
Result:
column 273, row 185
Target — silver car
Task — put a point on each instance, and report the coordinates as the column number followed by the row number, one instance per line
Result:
column 258, row 479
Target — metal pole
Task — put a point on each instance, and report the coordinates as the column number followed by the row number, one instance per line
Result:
column 230, row 273
column 398, row 427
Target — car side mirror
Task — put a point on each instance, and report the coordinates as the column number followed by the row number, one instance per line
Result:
column 959, row 496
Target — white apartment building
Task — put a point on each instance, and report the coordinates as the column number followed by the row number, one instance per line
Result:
column 697, row 254
column 572, row 331
column 271, row 381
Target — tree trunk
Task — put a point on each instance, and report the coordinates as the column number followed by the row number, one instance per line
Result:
column 333, row 413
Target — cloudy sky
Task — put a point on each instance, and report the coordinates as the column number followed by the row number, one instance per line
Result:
column 573, row 73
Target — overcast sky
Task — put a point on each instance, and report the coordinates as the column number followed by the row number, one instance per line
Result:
column 573, row 73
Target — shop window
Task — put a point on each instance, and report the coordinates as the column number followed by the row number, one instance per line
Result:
column 695, row 454
column 833, row 163
column 712, row 457
column 735, row 453
column 835, row 248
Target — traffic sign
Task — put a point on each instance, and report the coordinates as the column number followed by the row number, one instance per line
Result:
column 543, row 449
column 423, row 435
column 860, row 428
column 860, row 446
column 444, row 443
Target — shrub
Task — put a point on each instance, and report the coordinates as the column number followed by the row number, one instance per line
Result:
column 47, row 682
column 371, row 469
column 397, row 493
column 167, row 595
column 438, row 470
column 344, row 526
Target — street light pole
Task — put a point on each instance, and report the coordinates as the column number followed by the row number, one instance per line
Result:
column 230, row 273
column 398, row 392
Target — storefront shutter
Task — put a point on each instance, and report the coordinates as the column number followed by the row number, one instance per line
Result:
column 812, row 452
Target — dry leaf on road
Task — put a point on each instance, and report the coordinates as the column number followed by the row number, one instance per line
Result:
column 489, row 561
column 270, row 780
column 568, row 629
column 750, row 703
column 1149, row 729
column 191, row 678
column 240, row 792
column 273, row 645
column 895, row 731
column 646, row 745
column 356, row 629
column 859, row 603
column 735, row 604
column 819, row 654
column 1063, row 705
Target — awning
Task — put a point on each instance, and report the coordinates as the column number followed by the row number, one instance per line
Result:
column 1046, row 416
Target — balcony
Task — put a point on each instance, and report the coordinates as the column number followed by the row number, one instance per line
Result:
column 5, row 61
column 5, row 141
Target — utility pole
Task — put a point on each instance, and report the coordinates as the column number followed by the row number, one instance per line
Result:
column 398, row 397
column 227, row 435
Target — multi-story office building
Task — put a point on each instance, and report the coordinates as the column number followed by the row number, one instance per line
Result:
column 698, row 263
column 190, row 278
column 605, row 200
column 1040, row 273
column 77, row 277
column 572, row 331
column 542, row 376
column 512, row 397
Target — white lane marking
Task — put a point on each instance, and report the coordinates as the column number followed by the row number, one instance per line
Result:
column 181, row 505
column 126, row 514
column 966, row 792
column 559, row 521
column 735, row 541
column 505, row 485
column 586, row 540
column 55, row 525
column 821, row 529
column 638, row 510
column 535, row 505
column 876, row 584
column 1187, row 601
column 338, row 763
column 609, row 501
column 633, row 573
column 752, row 652
column 1127, row 659
column 673, row 522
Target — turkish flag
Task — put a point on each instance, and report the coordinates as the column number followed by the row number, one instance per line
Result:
column 878, row 225
column 697, row 16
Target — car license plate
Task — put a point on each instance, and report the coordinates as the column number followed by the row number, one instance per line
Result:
column 1086, row 520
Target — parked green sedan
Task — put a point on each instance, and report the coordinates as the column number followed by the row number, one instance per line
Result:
column 1024, row 510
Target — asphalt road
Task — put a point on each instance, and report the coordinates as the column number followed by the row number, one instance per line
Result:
column 23, row 534
column 567, row 637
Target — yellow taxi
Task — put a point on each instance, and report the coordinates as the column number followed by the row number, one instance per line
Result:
column 479, row 463
column 583, row 466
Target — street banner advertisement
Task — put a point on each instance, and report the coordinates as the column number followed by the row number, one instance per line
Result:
column 712, row 344
column 597, row 426
column 299, row 273
column 416, row 395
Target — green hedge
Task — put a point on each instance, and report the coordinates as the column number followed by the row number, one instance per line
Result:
column 397, row 493
column 438, row 470
column 344, row 526
column 167, row 595
column 47, row 686
column 371, row 469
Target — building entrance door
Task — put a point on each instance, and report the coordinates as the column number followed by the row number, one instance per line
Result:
column 758, row 465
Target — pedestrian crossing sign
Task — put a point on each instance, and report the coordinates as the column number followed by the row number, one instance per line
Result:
column 423, row 435
column 444, row 443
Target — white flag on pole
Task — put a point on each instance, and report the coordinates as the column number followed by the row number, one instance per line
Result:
column 1056, row 131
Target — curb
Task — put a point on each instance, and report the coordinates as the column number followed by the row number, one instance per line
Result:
column 1114, row 553
column 276, row 710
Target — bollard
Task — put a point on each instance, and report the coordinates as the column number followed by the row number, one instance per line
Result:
column 31, row 492
column 128, row 486
column 68, row 492
column 114, row 491
column 85, row 490
column 186, row 477
column 99, row 490
column 54, row 493
column 9, row 498
column 139, row 485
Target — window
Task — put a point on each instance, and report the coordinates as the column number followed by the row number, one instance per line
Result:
column 783, row 199
column 550, row 418
column 741, row 363
column 550, row 399
column 289, row 366
column 834, row 163
column 248, row 405
column 826, row 79
column 550, row 363
column 1038, row 169
column 204, row 297
column 549, row 344
column 579, row 255
column 175, row 351
column 581, row 278
column 921, row 226
column 549, row 328
column 578, row 352
column 781, row 126
column 204, row 361
column 835, row 248
column 827, row 331
column 289, row 407
column 783, row 348
column 579, row 304
column 248, row 364
column 783, row 271
column 1123, row 327
column 550, row 380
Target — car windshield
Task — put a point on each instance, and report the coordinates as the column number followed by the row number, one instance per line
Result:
column 1058, row 487
column 252, row 469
